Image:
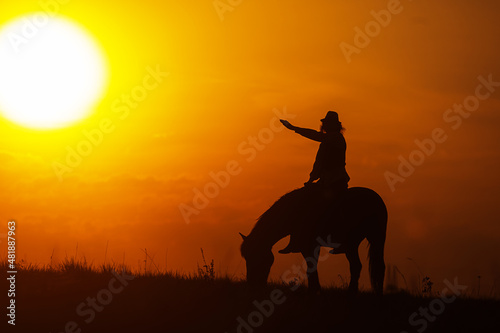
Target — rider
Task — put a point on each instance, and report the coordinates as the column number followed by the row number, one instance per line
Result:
column 329, row 168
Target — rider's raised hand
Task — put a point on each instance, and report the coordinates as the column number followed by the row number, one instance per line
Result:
column 287, row 124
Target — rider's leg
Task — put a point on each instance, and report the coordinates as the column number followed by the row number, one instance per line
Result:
column 339, row 190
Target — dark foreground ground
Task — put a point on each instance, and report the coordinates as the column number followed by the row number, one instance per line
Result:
column 82, row 300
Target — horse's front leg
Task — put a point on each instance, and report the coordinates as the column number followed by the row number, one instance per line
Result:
column 312, row 271
column 354, row 267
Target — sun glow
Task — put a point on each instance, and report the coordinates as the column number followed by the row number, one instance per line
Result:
column 52, row 72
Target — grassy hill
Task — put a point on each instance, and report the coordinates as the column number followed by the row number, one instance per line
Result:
column 76, row 297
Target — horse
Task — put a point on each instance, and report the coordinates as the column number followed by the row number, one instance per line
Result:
column 360, row 213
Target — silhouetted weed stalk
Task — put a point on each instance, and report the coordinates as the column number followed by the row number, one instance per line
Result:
column 427, row 286
column 207, row 271
column 148, row 271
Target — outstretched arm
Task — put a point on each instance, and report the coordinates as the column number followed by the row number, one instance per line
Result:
column 305, row 132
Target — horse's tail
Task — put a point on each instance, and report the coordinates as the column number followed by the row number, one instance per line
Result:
column 376, row 252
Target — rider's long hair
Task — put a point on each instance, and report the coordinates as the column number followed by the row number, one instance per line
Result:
column 329, row 127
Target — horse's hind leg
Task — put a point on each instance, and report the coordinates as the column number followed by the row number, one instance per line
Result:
column 312, row 272
column 355, row 268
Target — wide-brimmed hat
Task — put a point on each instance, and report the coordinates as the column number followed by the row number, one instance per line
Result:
column 331, row 117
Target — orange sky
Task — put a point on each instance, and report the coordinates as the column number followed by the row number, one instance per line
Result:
column 226, row 78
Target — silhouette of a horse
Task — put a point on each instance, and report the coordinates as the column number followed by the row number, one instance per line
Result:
column 360, row 214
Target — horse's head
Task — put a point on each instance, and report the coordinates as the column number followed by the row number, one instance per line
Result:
column 258, row 260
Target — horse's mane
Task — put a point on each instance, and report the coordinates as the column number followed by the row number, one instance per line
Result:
column 289, row 205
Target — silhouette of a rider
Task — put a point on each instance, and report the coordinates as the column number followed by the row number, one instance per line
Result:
column 329, row 170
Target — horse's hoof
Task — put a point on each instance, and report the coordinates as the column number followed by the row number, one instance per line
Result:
column 352, row 291
column 313, row 293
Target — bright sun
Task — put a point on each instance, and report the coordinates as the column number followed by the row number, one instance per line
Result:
column 51, row 75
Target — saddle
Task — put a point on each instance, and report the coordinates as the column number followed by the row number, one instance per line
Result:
column 324, row 209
